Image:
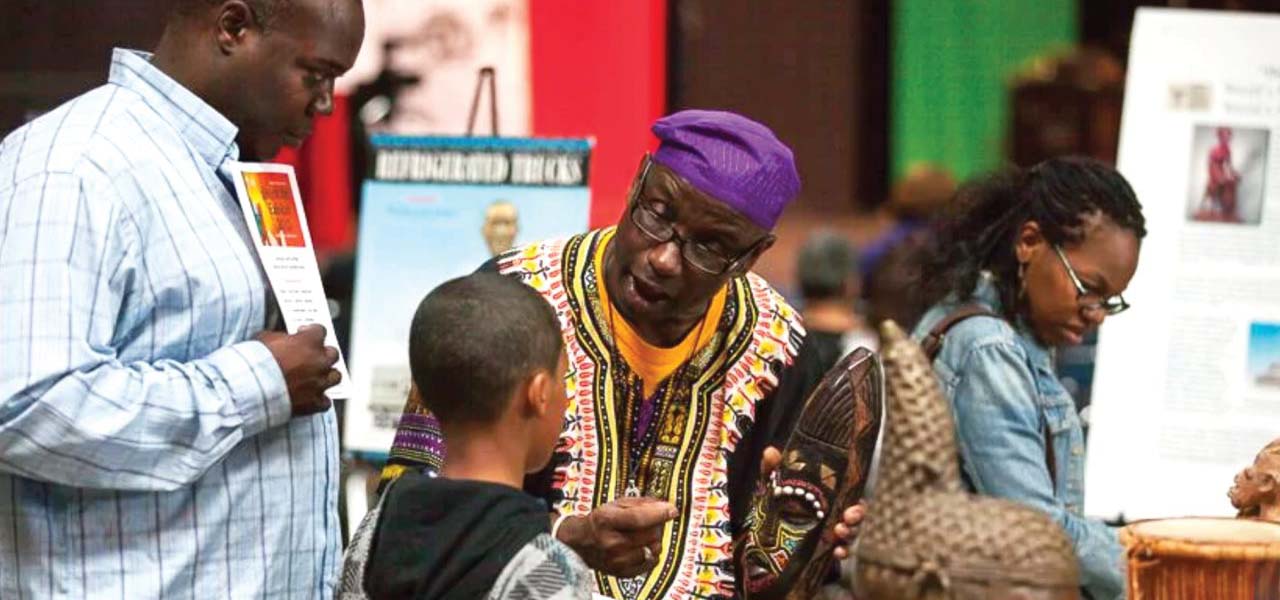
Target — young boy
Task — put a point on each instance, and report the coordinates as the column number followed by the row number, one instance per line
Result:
column 486, row 354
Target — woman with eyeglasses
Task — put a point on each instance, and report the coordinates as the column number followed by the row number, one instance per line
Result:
column 1030, row 261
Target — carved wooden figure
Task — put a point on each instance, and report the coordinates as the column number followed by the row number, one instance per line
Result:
column 1256, row 490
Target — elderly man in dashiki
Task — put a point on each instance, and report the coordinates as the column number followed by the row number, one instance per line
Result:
column 680, row 365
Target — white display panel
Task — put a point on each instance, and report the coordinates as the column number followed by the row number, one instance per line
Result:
column 1187, row 387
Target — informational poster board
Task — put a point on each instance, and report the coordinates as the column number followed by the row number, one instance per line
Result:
column 1187, row 388
column 434, row 209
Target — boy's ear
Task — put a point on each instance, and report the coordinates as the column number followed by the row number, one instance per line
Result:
column 538, row 393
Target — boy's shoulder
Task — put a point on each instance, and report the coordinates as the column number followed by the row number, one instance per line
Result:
column 439, row 537
column 544, row 569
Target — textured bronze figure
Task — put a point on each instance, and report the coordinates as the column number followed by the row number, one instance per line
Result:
column 785, row 550
column 925, row 538
column 1256, row 491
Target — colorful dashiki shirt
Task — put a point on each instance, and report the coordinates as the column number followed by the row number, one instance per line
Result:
column 695, row 418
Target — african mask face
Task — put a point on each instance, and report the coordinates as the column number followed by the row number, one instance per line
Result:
column 787, row 537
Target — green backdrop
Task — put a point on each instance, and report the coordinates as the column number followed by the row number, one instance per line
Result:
column 951, row 61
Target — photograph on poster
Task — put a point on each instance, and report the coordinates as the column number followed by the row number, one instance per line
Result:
column 501, row 225
column 420, row 59
column 1190, row 96
column 1264, row 354
column 1228, row 174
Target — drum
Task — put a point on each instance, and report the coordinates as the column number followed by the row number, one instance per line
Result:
column 1203, row 558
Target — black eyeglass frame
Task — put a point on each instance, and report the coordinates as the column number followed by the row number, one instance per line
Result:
column 635, row 204
column 1111, row 305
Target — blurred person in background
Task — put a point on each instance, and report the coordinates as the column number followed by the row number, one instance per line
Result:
column 890, row 263
column 827, row 269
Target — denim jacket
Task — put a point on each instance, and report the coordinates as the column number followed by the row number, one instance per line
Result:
column 1003, row 392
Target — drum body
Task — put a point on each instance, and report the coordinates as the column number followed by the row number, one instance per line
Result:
column 1203, row 558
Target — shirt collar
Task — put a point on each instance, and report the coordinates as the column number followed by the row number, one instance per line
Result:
column 988, row 295
column 208, row 132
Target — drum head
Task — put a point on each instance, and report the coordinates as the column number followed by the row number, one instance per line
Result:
column 1209, row 530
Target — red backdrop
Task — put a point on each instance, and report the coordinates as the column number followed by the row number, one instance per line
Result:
column 598, row 70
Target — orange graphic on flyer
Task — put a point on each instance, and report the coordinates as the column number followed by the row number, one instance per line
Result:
column 271, row 196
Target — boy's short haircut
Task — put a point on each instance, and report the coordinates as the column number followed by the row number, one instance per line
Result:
column 474, row 339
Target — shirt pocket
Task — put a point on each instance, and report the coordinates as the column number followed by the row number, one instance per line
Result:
column 1067, row 440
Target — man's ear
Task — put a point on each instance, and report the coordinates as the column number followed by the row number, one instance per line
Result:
column 235, row 20
column 749, row 262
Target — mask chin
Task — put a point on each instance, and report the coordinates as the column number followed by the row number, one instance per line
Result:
column 775, row 550
column 778, row 581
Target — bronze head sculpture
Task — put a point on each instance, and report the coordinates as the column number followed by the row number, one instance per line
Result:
column 924, row 537
column 1256, row 490
column 785, row 548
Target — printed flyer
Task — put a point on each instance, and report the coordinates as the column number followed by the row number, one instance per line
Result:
column 272, row 208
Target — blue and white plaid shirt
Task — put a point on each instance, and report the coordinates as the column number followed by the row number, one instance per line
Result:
column 146, row 448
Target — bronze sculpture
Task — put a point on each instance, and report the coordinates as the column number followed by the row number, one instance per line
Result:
column 785, row 548
column 1256, row 490
column 924, row 537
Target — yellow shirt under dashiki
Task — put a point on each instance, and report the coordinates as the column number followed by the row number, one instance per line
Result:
column 653, row 363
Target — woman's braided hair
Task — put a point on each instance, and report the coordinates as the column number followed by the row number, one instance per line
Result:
column 988, row 213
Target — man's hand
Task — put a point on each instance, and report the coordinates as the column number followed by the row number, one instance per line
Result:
column 621, row 538
column 307, row 365
column 846, row 529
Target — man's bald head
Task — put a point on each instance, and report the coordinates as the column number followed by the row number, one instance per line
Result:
column 267, row 11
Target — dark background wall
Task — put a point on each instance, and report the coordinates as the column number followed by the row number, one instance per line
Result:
column 51, row 50
column 813, row 71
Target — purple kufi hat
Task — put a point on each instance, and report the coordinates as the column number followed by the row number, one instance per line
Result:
column 731, row 158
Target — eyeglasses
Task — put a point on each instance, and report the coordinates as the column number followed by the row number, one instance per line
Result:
column 1111, row 305
column 661, row 229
